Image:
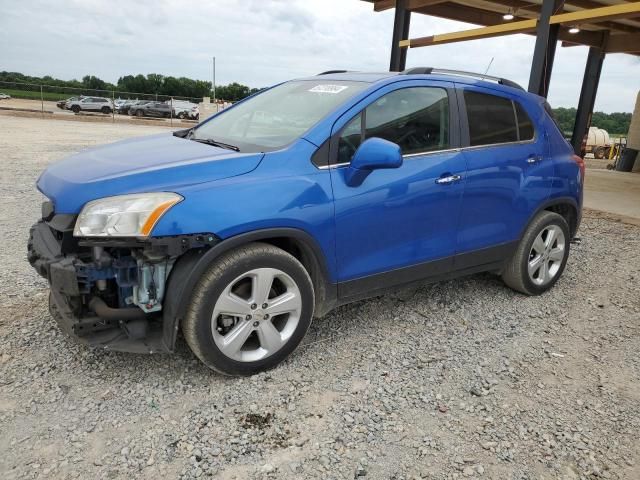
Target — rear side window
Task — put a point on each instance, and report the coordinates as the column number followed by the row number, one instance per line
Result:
column 525, row 125
column 491, row 119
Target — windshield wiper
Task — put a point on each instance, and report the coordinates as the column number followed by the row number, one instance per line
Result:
column 215, row 143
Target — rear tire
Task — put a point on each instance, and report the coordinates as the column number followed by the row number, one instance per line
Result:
column 599, row 153
column 250, row 310
column 541, row 255
column 106, row 110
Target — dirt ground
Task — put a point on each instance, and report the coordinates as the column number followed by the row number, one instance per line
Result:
column 461, row 379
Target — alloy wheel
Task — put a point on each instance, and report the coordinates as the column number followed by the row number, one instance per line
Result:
column 256, row 314
column 546, row 255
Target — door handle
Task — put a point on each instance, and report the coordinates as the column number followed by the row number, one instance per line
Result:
column 534, row 159
column 448, row 179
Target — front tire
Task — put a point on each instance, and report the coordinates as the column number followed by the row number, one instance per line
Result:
column 541, row 255
column 250, row 310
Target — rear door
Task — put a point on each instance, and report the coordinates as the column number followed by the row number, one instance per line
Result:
column 509, row 171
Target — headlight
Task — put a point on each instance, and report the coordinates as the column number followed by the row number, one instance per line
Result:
column 124, row 215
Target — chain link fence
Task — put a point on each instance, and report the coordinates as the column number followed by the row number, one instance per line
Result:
column 52, row 100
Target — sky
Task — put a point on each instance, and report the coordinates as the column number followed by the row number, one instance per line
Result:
column 262, row 42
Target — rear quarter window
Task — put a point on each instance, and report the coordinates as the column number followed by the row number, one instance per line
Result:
column 525, row 125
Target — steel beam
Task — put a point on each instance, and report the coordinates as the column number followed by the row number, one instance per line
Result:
column 587, row 96
column 554, row 30
column 545, row 48
column 594, row 15
column 401, row 23
column 629, row 43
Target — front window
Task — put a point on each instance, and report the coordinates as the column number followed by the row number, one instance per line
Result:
column 277, row 117
column 415, row 118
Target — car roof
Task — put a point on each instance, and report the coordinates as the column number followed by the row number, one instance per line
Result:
column 390, row 77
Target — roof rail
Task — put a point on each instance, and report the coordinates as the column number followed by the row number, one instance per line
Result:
column 332, row 71
column 481, row 76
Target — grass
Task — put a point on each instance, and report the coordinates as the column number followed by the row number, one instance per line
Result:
column 35, row 95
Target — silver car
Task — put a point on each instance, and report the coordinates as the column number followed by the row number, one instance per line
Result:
column 91, row 104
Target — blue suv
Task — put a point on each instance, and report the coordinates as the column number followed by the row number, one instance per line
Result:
column 306, row 196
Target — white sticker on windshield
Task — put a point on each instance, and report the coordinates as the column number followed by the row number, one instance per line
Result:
column 328, row 88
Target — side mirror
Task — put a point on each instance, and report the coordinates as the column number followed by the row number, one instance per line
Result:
column 373, row 154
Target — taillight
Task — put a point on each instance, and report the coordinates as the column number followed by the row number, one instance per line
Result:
column 580, row 163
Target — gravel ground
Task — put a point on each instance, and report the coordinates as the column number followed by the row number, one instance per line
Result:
column 463, row 379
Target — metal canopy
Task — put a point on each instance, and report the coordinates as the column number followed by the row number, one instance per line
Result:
column 605, row 26
column 596, row 19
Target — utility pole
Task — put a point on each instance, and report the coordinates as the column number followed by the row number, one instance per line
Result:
column 214, row 83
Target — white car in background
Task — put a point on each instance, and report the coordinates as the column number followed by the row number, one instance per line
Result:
column 91, row 104
column 183, row 109
column 4, row 96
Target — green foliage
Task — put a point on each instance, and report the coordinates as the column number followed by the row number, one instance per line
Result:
column 151, row 84
column 31, row 94
column 234, row 92
column 615, row 123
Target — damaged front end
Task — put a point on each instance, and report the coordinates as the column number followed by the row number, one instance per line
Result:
column 108, row 292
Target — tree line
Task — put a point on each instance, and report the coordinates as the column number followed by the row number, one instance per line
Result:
column 150, row 84
column 616, row 123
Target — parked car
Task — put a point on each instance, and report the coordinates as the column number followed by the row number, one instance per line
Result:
column 4, row 96
column 182, row 110
column 240, row 232
column 124, row 108
column 63, row 103
column 150, row 109
column 90, row 104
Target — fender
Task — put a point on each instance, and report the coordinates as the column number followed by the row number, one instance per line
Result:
column 550, row 203
column 191, row 266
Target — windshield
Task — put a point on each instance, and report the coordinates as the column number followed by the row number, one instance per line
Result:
column 275, row 118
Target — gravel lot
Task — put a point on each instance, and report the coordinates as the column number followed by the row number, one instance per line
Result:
column 463, row 379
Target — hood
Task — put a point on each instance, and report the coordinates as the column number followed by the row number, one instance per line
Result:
column 155, row 163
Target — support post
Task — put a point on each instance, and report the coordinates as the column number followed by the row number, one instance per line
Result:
column 41, row 101
column 587, row 96
column 546, row 38
column 551, row 54
column 213, row 84
column 401, row 23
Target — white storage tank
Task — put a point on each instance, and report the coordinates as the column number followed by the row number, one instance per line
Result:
column 598, row 137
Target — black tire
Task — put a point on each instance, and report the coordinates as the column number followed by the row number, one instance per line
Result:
column 599, row 153
column 75, row 108
column 516, row 272
column 197, row 324
column 105, row 110
column 182, row 115
column 139, row 113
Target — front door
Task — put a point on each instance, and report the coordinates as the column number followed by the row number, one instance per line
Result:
column 400, row 224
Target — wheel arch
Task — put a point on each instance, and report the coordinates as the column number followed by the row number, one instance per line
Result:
column 567, row 207
column 190, row 267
